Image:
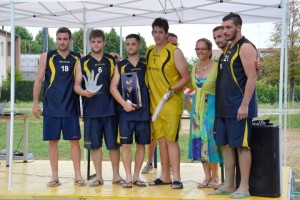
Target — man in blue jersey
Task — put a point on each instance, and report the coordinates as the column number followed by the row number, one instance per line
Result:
column 133, row 118
column 99, row 112
column 60, row 104
column 237, row 105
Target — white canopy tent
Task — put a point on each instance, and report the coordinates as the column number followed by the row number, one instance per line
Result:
column 103, row 13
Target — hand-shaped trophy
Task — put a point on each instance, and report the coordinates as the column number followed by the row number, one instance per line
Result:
column 131, row 89
column 91, row 83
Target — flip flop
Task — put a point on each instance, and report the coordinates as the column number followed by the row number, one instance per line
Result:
column 127, row 185
column 158, row 181
column 80, row 182
column 220, row 191
column 53, row 183
column 239, row 195
column 95, row 183
column 177, row 185
column 120, row 181
column 140, row 183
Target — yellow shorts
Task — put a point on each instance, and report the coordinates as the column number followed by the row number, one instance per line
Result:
column 167, row 126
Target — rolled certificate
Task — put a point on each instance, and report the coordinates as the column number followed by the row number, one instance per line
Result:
column 161, row 104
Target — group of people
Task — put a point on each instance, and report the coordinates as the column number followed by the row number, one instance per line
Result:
column 221, row 114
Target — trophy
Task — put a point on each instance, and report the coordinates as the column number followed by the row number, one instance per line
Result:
column 131, row 89
column 91, row 82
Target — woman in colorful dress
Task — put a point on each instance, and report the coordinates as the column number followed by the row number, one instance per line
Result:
column 202, row 145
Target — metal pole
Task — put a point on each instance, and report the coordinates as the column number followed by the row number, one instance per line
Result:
column 12, row 91
column 121, row 41
column 45, row 39
column 282, row 57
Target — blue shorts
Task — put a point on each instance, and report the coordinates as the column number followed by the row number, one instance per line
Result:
column 96, row 128
column 53, row 126
column 232, row 132
column 140, row 128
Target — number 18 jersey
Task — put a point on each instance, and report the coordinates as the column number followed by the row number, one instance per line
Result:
column 60, row 100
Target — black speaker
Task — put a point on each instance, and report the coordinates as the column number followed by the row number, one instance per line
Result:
column 264, row 177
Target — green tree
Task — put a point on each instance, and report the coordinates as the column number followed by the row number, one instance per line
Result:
column 143, row 47
column 18, row 76
column 272, row 59
column 112, row 41
column 77, row 38
column 37, row 44
column 26, row 39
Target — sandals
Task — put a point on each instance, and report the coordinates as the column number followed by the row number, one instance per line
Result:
column 140, row 183
column 95, row 183
column 177, row 185
column 158, row 181
column 80, row 182
column 204, row 184
column 127, row 185
column 53, row 183
column 213, row 184
column 120, row 181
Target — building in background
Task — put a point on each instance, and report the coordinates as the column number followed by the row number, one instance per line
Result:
column 5, row 53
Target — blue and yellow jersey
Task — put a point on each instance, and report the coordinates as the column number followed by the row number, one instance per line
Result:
column 102, row 104
column 60, row 100
column 141, row 114
column 161, row 74
column 232, row 82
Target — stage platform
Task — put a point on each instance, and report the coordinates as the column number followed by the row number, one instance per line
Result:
column 29, row 182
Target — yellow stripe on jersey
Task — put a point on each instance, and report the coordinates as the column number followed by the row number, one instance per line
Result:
column 77, row 59
column 86, row 69
column 236, row 54
column 52, row 69
column 112, row 66
column 123, row 69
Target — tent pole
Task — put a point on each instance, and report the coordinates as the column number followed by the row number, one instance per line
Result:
column 12, row 92
column 121, row 41
column 282, row 57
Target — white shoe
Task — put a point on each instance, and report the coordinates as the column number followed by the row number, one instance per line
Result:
column 147, row 169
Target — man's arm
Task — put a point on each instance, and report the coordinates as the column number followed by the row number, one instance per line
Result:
column 247, row 54
column 128, row 107
column 182, row 68
column 78, row 79
column 36, row 109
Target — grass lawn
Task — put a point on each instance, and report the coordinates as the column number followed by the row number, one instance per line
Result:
column 39, row 148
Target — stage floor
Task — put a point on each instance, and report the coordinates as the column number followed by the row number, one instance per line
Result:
column 29, row 182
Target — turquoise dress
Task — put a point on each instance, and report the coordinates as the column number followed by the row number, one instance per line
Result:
column 202, row 144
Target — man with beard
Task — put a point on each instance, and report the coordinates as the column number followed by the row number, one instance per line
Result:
column 236, row 105
column 60, row 104
column 99, row 113
column 133, row 118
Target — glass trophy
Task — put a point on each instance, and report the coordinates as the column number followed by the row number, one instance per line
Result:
column 131, row 89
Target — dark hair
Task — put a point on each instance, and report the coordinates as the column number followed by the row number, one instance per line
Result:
column 236, row 18
column 218, row 28
column 162, row 23
column 208, row 43
column 136, row 36
column 97, row 33
column 64, row 30
column 172, row 35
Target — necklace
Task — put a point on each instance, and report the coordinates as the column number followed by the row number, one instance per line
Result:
column 201, row 70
